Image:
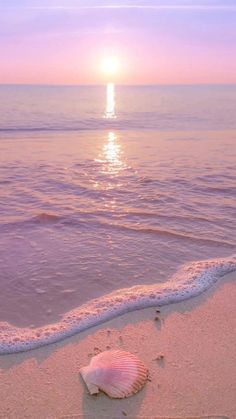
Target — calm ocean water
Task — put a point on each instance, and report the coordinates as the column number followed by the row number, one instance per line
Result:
column 90, row 204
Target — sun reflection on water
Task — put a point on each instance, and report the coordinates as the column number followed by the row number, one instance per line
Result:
column 111, row 102
column 110, row 159
column 111, row 156
column 112, row 153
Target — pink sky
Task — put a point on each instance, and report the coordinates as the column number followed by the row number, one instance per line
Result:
column 181, row 43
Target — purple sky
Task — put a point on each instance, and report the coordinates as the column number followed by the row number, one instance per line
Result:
column 157, row 41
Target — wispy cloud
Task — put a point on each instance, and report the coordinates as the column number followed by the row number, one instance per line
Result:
column 177, row 7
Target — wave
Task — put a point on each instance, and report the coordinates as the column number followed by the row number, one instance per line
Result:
column 90, row 218
column 189, row 281
column 170, row 233
column 83, row 125
column 44, row 218
column 43, row 129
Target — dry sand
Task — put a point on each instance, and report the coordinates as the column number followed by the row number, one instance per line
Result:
column 196, row 378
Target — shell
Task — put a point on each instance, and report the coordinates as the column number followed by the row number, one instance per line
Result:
column 117, row 373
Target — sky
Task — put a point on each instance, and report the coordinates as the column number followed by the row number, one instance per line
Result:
column 155, row 41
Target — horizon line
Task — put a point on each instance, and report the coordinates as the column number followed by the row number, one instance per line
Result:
column 119, row 84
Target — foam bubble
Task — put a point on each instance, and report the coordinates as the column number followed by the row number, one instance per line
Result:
column 189, row 281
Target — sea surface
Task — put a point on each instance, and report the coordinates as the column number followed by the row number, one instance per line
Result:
column 99, row 193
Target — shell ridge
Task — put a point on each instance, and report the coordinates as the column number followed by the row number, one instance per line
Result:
column 117, row 373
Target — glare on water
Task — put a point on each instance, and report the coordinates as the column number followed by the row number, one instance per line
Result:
column 112, row 203
column 112, row 153
column 111, row 103
column 111, row 156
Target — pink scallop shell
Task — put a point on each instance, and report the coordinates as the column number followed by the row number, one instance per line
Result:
column 117, row 373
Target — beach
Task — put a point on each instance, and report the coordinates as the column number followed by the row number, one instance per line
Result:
column 117, row 209
column 101, row 217
column 190, row 353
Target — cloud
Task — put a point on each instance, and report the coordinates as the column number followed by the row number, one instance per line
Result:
column 159, row 7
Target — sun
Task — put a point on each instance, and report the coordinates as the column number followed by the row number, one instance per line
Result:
column 110, row 66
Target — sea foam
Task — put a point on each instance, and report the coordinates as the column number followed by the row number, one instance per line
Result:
column 189, row 281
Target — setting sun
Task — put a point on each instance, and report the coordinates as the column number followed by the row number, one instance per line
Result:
column 117, row 208
column 110, row 66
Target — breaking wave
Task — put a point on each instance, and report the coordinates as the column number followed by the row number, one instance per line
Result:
column 189, row 281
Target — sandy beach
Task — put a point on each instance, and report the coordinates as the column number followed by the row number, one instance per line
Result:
column 195, row 378
column 117, row 209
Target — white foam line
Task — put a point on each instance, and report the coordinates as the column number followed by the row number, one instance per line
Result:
column 189, row 281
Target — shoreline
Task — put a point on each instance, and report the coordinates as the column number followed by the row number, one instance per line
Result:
column 196, row 377
column 189, row 281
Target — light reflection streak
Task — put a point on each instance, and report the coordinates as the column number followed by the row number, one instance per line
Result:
column 112, row 153
column 111, row 102
column 111, row 156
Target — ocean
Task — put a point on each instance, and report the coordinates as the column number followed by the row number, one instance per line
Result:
column 110, row 188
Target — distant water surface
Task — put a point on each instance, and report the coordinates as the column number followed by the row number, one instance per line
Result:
column 91, row 204
column 44, row 108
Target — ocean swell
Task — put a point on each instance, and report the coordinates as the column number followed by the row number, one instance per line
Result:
column 189, row 281
column 98, row 220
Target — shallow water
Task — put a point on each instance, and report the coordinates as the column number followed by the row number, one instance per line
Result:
column 89, row 205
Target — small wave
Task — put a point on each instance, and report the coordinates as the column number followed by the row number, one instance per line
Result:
column 85, row 126
column 43, row 129
column 160, row 232
column 45, row 218
column 191, row 280
column 142, row 229
column 40, row 219
column 91, row 218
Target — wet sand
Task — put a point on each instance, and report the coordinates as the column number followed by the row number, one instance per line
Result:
column 195, row 378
